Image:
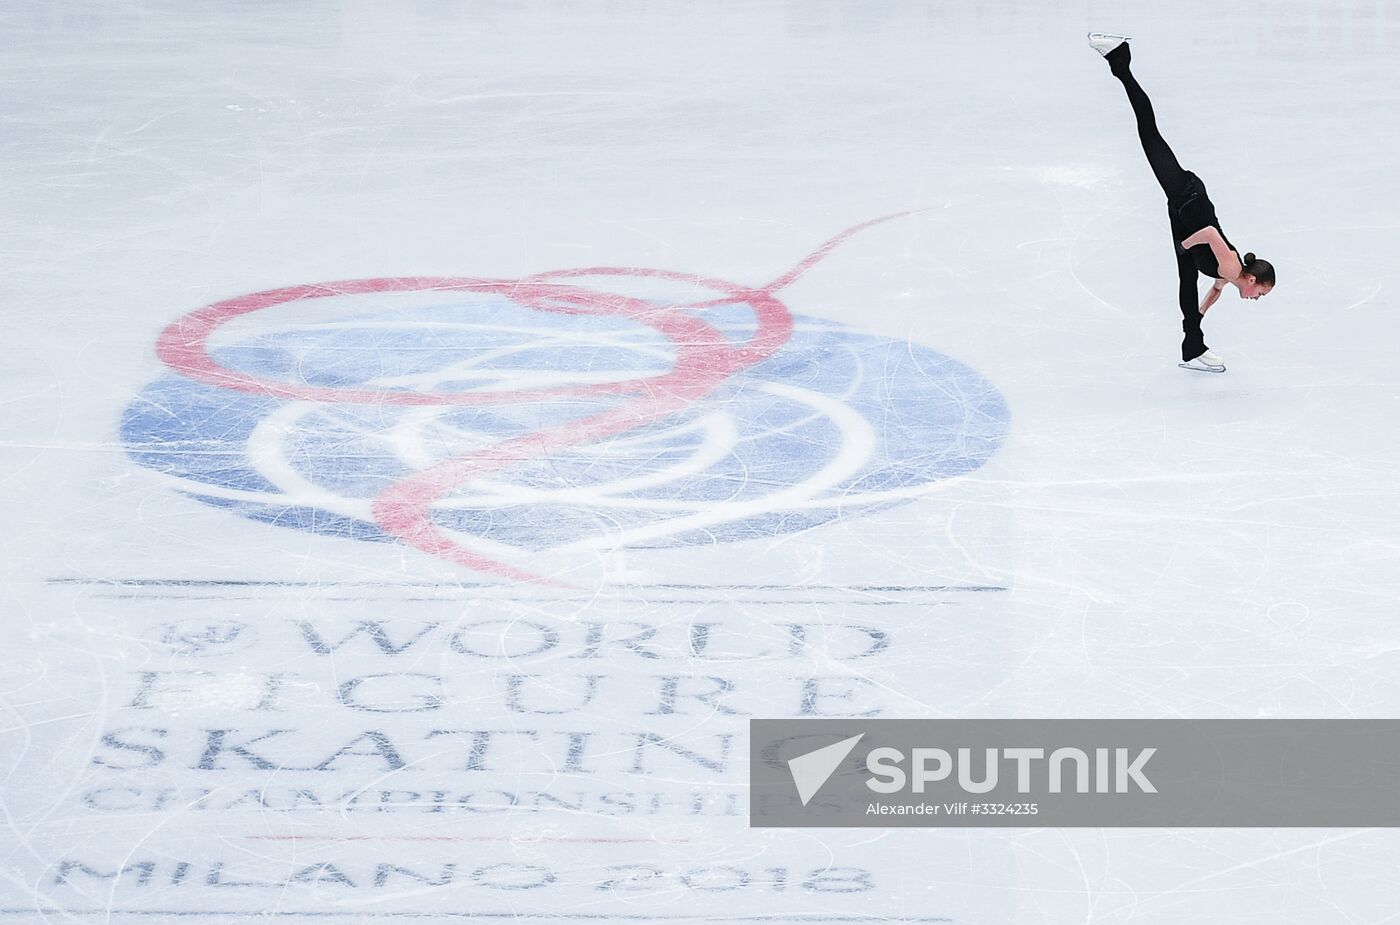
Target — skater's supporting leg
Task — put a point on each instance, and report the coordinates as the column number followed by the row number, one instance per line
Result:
column 1194, row 343
column 1163, row 162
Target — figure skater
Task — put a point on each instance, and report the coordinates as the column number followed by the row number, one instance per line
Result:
column 1200, row 243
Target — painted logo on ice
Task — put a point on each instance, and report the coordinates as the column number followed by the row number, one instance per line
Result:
column 479, row 420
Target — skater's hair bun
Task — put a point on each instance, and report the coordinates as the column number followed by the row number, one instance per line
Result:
column 1261, row 270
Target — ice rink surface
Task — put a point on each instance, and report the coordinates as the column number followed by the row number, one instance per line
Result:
column 362, row 564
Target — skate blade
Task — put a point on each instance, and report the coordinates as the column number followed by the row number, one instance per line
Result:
column 1202, row 369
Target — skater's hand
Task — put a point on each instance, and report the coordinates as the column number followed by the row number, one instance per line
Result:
column 1212, row 294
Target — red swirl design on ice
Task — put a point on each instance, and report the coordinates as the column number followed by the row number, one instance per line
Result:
column 704, row 358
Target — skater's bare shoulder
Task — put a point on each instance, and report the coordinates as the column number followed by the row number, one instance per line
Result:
column 1226, row 260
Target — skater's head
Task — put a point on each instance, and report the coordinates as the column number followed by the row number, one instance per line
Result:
column 1257, row 278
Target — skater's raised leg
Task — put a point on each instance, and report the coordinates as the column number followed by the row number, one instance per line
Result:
column 1170, row 176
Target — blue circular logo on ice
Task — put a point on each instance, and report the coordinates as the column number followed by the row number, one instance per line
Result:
column 834, row 423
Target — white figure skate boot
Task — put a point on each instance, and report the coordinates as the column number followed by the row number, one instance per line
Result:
column 1207, row 362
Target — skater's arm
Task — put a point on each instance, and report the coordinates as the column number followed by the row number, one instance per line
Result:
column 1225, row 260
column 1212, row 294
